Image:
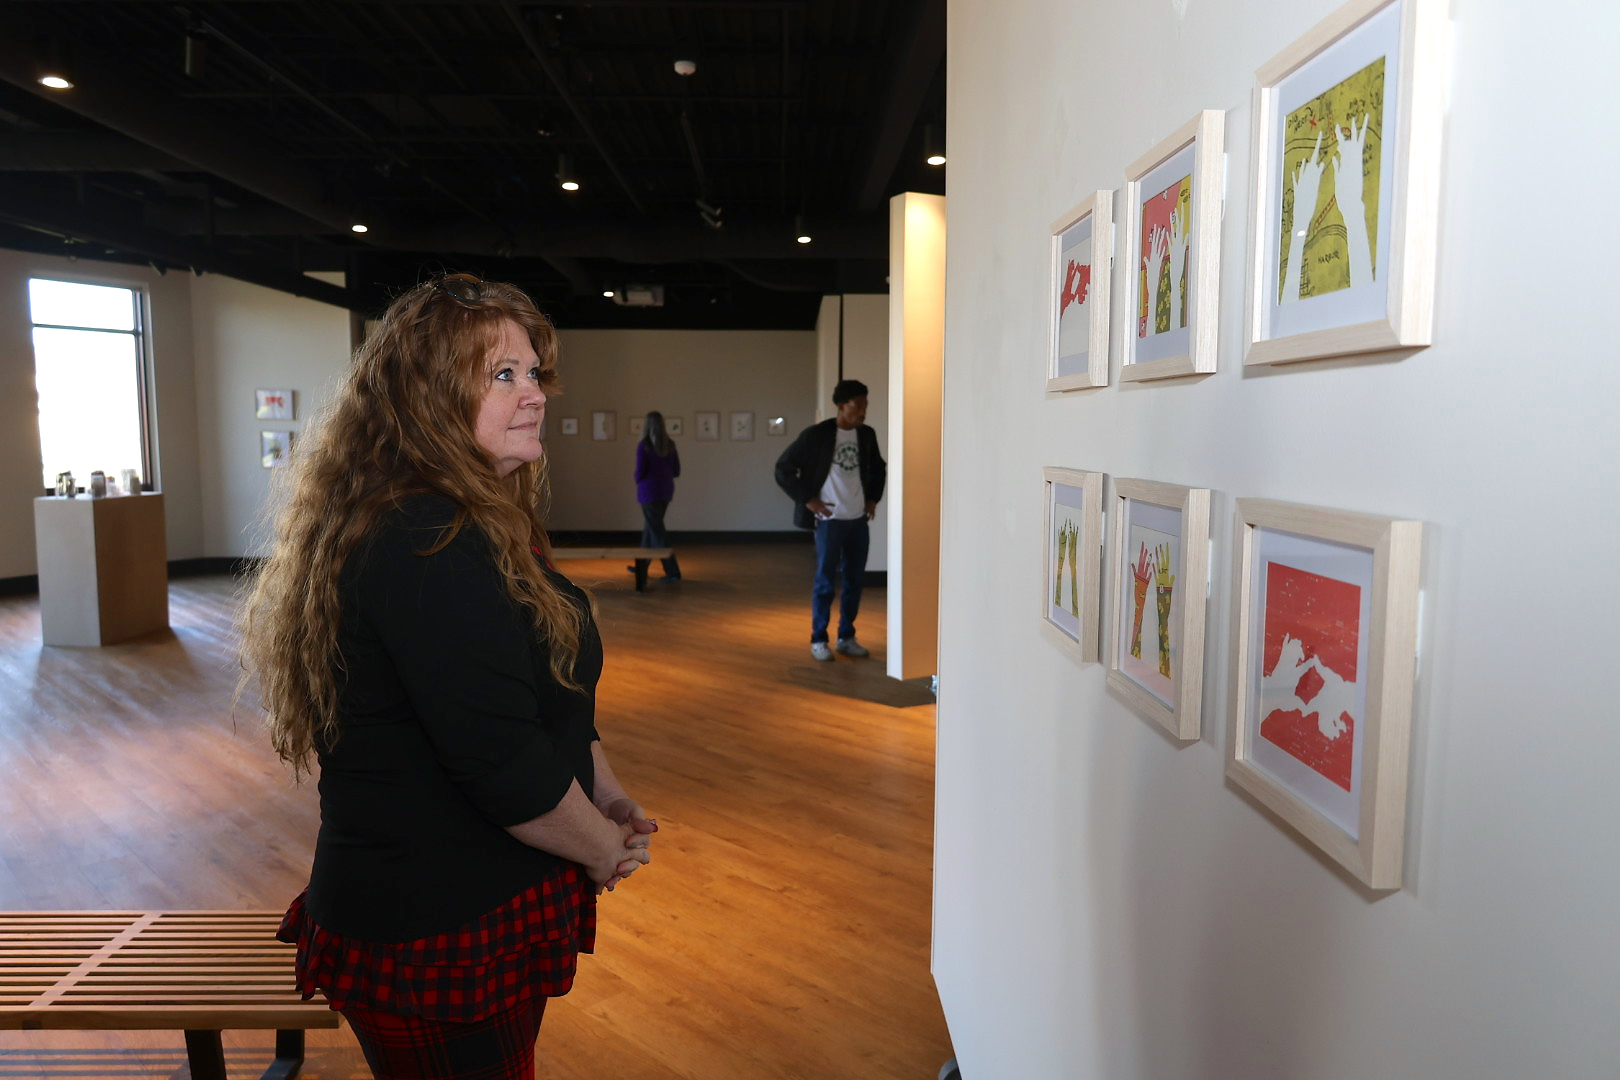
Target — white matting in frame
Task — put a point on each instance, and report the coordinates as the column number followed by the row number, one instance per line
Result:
column 1325, row 627
column 1073, row 549
column 1347, row 120
column 1158, row 582
column 273, row 404
column 1082, row 258
column 1170, row 253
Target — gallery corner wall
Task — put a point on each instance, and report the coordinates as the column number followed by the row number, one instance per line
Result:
column 1107, row 903
column 852, row 342
column 249, row 338
column 726, row 484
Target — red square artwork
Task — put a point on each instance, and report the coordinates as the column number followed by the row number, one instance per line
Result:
column 1308, row 692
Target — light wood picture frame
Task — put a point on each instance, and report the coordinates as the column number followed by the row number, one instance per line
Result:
column 1325, row 622
column 638, row 424
column 604, row 425
column 1367, row 81
column 1073, row 557
column 275, row 449
column 1159, row 552
column 570, row 425
column 707, row 426
column 674, row 425
column 742, row 427
column 273, row 404
column 1081, row 260
column 1170, row 253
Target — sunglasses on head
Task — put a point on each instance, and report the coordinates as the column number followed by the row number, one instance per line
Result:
column 464, row 290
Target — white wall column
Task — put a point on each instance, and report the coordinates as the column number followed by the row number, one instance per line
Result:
column 916, row 367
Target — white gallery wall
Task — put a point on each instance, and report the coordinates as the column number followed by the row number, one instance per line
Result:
column 725, row 485
column 251, row 338
column 1107, row 905
column 172, row 392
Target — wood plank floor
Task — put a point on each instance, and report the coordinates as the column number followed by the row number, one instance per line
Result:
column 782, row 932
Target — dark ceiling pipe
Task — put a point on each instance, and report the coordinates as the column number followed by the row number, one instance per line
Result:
column 920, row 56
column 75, row 225
column 526, row 32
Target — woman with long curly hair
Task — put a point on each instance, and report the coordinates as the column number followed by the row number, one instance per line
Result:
column 409, row 637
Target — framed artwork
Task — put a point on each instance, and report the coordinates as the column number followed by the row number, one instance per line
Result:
column 1073, row 551
column 1081, row 256
column 1157, row 583
column 1171, row 253
column 1325, row 626
column 638, row 424
column 1346, row 185
column 604, row 425
column 708, row 426
column 570, row 425
column 275, row 447
column 674, row 425
column 776, row 425
column 742, row 426
column 273, row 404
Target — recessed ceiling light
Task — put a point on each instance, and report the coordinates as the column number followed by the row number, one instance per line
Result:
column 357, row 227
column 56, row 82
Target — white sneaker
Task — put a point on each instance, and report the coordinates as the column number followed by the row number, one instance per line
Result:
column 850, row 647
column 821, row 650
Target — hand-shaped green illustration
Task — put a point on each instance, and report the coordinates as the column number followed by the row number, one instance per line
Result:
column 1152, row 270
column 1074, row 570
column 1142, row 573
column 1166, row 583
column 1062, row 553
column 1178, row 264
column 1307, row 185
column 1347, row 186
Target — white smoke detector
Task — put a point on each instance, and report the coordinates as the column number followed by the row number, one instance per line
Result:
column 685, row 67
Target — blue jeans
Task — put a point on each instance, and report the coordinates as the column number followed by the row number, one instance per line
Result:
column 840, row 545
column 653, row 534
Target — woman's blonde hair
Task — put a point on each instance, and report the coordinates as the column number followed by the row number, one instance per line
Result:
column 401, row 423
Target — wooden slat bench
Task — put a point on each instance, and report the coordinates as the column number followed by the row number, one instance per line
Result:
column 643, row 557
column 196, row 971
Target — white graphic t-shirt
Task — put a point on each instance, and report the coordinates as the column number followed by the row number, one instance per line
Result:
column 843, row 491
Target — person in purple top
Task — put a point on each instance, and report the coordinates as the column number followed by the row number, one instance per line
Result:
column 658, row 463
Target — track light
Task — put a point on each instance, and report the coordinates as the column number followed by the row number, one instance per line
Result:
column 801, row 231
column 196, row 57
column 358, row 228
column 565, row 172
column 54, row 69
column 931, row 147
column 608, row 293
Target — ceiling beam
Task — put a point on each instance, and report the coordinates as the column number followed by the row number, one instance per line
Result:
column 921, row 52
column 78, row 224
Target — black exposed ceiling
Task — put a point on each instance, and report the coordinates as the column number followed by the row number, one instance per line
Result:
column 244, row 137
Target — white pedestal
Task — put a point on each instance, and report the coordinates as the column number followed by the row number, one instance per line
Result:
column 103, row 568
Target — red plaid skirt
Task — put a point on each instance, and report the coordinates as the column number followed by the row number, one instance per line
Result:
column 527, row 947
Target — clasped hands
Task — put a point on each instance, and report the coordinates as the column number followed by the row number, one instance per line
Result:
column 635, row 829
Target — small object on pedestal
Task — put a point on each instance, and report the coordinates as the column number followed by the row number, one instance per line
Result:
column 98, row 484
column 132, row 482
column 66, row 485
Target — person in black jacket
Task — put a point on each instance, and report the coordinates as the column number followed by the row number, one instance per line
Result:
column 834, row 474
column 408, row 635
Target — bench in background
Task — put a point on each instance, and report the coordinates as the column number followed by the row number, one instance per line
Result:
column 196, row 971
column 643, row 557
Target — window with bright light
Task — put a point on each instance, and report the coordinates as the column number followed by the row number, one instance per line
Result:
column 89, row 354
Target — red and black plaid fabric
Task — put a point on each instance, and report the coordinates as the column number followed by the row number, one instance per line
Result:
column 528, row 947
column 500, row 1047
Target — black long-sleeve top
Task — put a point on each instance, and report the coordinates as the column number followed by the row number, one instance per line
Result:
column 451, row 728
column 804, row 465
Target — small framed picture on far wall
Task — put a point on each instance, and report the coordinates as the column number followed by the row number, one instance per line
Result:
column 275, row 447
column 273, row 404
